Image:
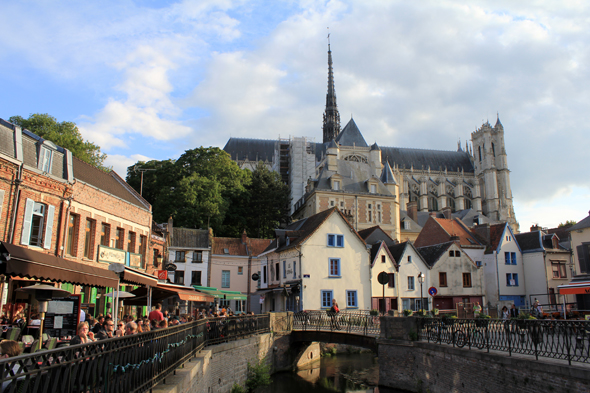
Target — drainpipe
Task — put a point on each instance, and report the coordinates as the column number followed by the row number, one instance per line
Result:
column 62, row 250
column 16, row 200
column 356, row 212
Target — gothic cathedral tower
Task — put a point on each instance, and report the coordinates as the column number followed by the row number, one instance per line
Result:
column 331, row 116
column 491, row 170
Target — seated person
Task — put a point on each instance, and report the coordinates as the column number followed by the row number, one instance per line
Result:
column 84, row 335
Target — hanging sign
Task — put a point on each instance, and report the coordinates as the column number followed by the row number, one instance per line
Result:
column 162, row 275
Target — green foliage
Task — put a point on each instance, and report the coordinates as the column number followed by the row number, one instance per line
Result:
column 64, row 134
column 258, row 375
column 408, row 313
column 567, row 223
column 237, row 388
column 483, row 316
column 374, row 312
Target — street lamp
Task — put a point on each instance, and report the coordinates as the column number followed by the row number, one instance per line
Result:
column 421, row 280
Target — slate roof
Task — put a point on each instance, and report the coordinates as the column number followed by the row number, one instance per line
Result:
column 354, row 178
column 351, row 136
column 109, row 182
column 469, row 217
column 431, row 254
column 436, row 160
column 585, row 223
column 387, row 175
column 375, row 234
column 529, row 241
column 397, row 250
column 190, row 238
column 252, row 149
column 414, row 227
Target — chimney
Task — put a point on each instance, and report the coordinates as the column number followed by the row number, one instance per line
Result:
column 244, row 237
column 535, row 227
column 456, row 239
column 169, row 227
column 432, row 214
column 446, row 211
column 413, row 210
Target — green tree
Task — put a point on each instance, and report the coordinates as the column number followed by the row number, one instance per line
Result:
column 268, row 203
column 567, row 223
column 64, row 134
column 157, row 176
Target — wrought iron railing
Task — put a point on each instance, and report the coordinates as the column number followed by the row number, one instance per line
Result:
column 567, row 340
column 360, row 322
column 127, row 364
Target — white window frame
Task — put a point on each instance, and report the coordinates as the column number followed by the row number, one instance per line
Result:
column 411, row 283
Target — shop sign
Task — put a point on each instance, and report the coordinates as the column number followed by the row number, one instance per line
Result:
column 111, row 255
column 162, row 275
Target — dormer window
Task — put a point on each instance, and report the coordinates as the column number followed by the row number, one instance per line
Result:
column 373, row 188
column 45, row 155
column 336, row 185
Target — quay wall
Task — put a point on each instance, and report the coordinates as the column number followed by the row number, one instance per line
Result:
column 419, row 366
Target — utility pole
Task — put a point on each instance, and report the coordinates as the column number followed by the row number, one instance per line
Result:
column 141, row 170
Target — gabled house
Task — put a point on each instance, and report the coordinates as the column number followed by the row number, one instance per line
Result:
column 411, row 266
column 547, row 265
column 313, row 261
column 384, row 296
column 233, row 261
column 455, row 275
column 438, row 230
column 503, row 266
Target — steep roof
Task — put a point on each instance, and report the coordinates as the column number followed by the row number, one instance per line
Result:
column 190, row 238
column 496, row 235
column 109, row 182
column 436, row 160
column 351, row 136
column 257, row 246
column 584, row 223
column 439, row 230
column 375, row 234
column 387, row 175
column 251, row 149
column 529, row 241
column 233, row 245
column 431, row 254
column 397, row 250
column 375, row 251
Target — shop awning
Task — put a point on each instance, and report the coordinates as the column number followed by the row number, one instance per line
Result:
column 234, row 295
column 578, row 286
column 210, row 291
column 23, row 262
column 163, row 291
column 132, row 276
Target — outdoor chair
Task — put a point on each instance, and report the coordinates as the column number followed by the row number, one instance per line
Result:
column 27, row 339
column 13, row 334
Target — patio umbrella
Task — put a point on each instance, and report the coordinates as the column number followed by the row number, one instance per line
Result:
column 43, row 293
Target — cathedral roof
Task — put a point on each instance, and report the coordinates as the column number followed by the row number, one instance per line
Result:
column 251, row 149
column 375, row 146
column 351, row 136
column 422, row 159
column 387, row 175
column 354, row 176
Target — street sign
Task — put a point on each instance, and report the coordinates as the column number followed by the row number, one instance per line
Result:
column 383, row 278
column 255, row 276
column 432, row 291
column 171, row 267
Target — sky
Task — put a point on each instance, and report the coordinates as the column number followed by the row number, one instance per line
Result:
column 150, row 79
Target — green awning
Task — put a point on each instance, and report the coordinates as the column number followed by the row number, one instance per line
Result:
column 210, row 291
column 234, row 295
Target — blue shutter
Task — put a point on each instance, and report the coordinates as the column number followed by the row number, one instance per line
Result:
column 26, row 234
column 513, row 258
column 331, row 240
column 507, row 257
column 515, row 278
column 340, row 241
column 49, row 227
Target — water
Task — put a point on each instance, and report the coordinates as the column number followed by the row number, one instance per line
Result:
column 344, row 373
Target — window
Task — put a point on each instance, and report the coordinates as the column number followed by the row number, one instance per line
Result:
column 119, row 238
column 334, row 267
column 466, row 280
column 105, row 234
column 457, row 254
column 336, row 185
column 411, row 304
column 451, row 253
column 559, row 269
column 45, row 156
column 240, row 270
column 294, row 269
column 391, row 282
column 37, row 216
column 179, row 256
column 409, row 259
column 326, row 299
column 225, row 279
column 373, row 188
column 511, row 279
column 507, row 238
column 335, row 240
column 442, row 279
column 240, row 305
column 71, row 246
column 410, row 283
column 156, row 254
column 351, row 299
column 382, row 258
column 197, row 256
column 277, row 276
column 196, row 277
column 284, row 269
column 179, row 277
column 89, row 238
column 513, row 257
column 131, row 241
column 142, row 248
column 510, row 258
column 406, row 225
column 583, row 252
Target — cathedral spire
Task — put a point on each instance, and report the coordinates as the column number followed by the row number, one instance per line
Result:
column 331, row 125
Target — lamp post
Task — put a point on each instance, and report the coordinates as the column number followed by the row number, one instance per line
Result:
column 421, row 280
column 44, row 293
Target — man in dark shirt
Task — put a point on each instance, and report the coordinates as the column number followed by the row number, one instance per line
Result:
column 99, row 326
column 108, row 330
column 513, row 311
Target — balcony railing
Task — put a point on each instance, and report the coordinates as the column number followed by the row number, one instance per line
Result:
column 126, row 364
column 567, row 340
column 361, row 322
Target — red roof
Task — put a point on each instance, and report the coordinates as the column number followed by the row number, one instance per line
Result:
column 257, row 246
column 234, row 246
column 440, row 230
column 496, row 233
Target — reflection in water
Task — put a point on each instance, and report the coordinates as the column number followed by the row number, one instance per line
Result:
column 342, row 373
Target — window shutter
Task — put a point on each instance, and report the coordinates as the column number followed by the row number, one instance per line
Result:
column 26, row 234
column 49, row 227
column 1, row 201
column 513, row 258
column 583, row 258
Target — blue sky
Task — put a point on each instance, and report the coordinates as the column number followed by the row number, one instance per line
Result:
column 148, row 80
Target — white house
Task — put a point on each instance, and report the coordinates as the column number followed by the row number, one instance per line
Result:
column 313, row 261
column 411, row 266
column 384, row 296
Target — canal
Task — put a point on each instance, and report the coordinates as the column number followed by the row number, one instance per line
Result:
column 340, row 373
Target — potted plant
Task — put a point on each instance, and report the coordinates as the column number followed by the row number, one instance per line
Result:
column 435, row 311
column 482, row 320
column 374, row 312
column 408, row 313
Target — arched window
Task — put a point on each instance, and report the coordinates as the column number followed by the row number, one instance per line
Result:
column 451, row 203
column 479, row 149
column 432, row 204
column 468, row 204
column 494, row 150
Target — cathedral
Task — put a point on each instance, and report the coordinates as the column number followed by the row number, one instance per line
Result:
column 393, row 187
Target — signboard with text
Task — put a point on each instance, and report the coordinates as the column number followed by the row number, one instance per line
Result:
column 162, row 275
column 111, row 255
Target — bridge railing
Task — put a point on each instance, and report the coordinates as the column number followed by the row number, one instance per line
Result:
column 360, row 322
column 126, row 364
column 567, row 340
